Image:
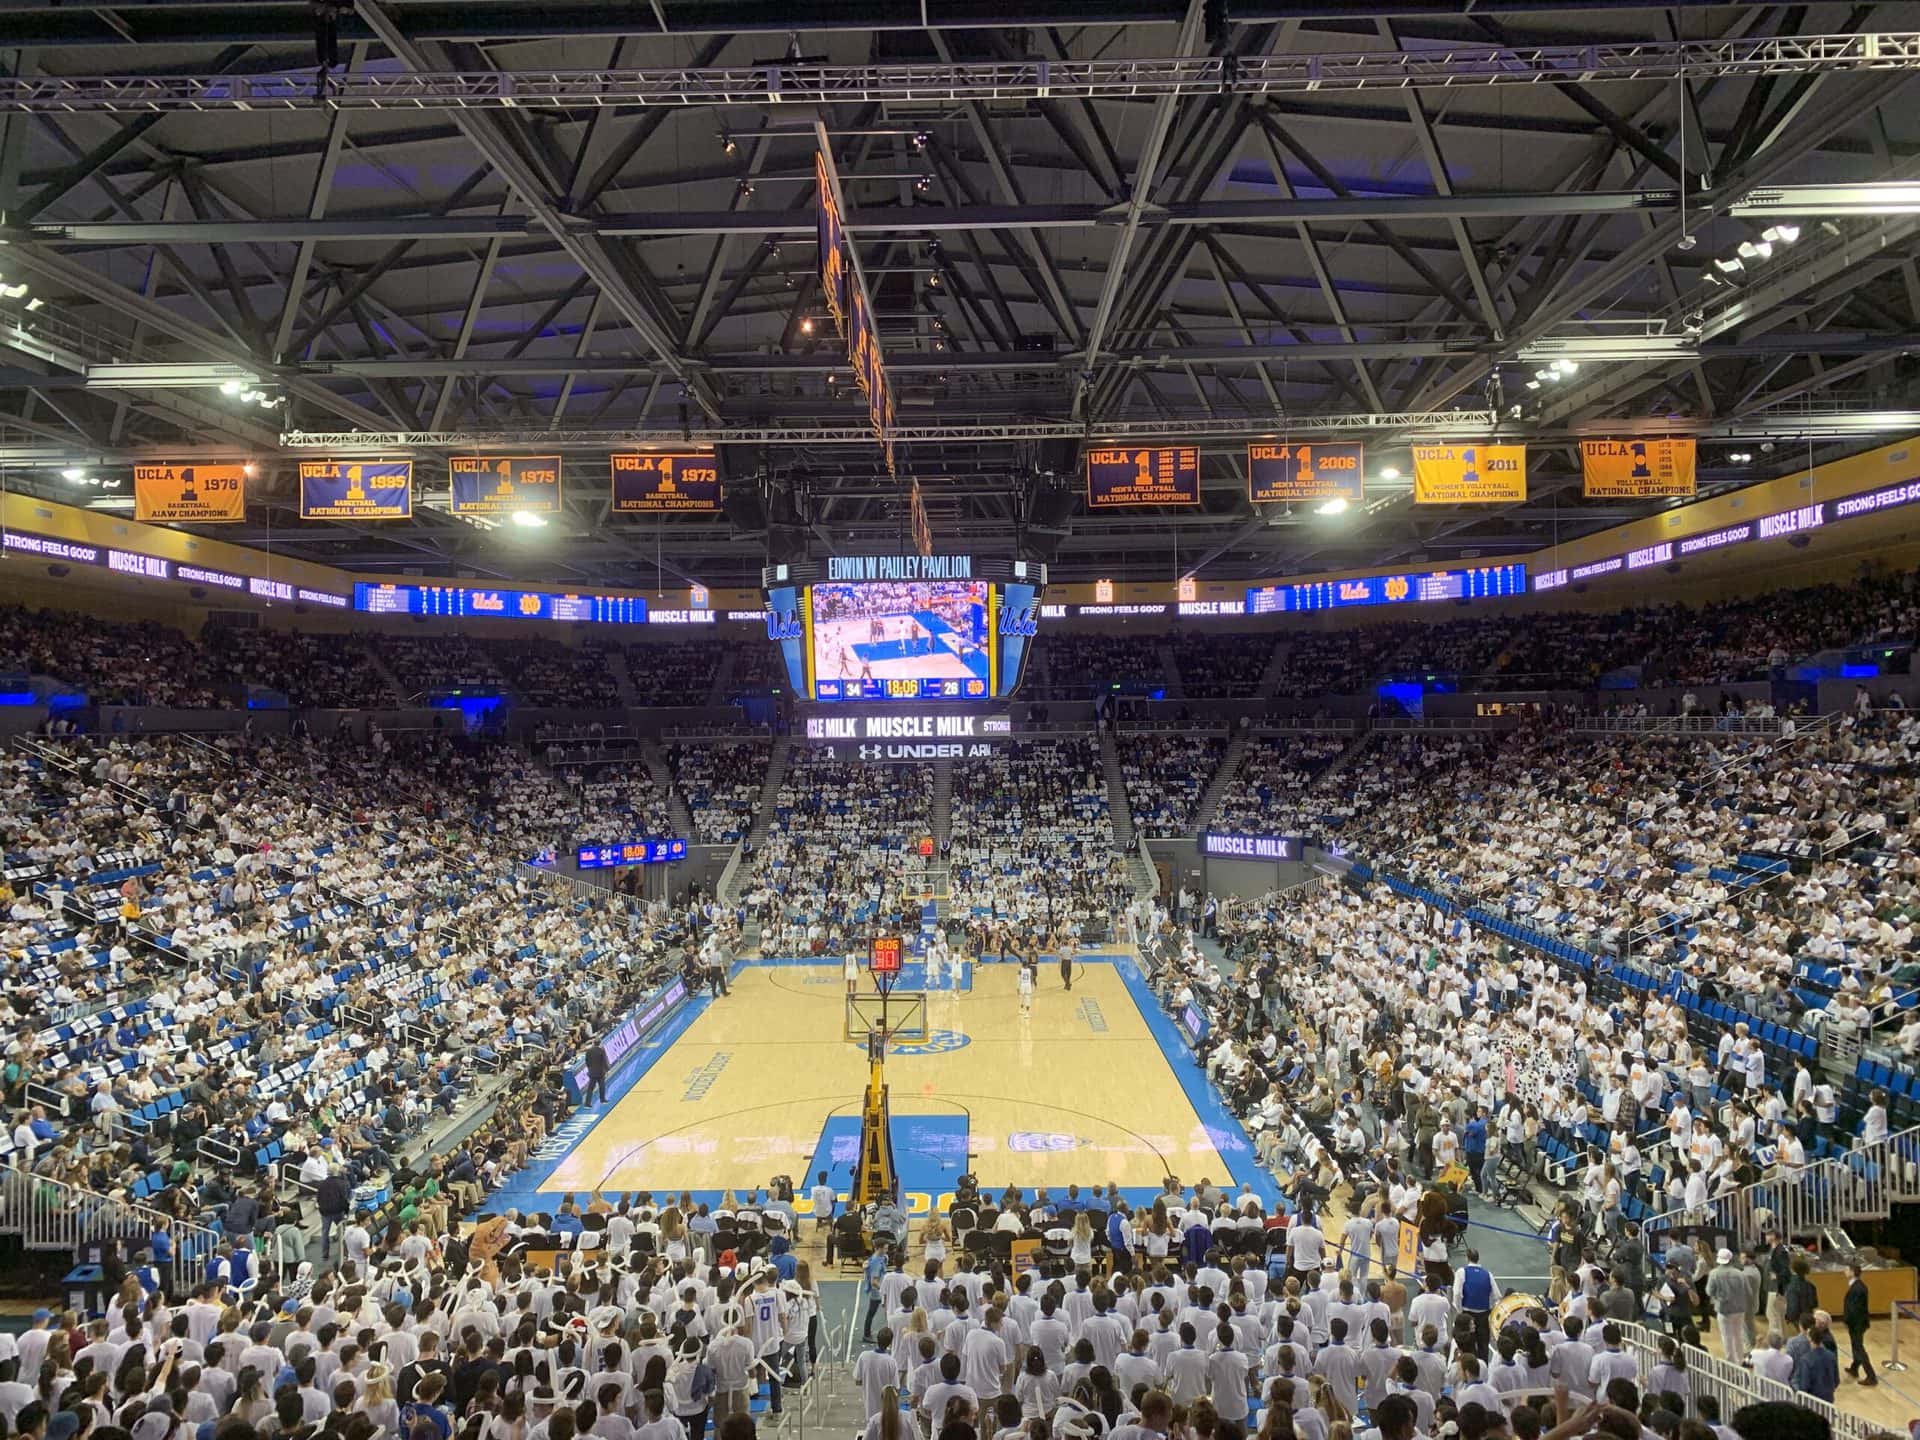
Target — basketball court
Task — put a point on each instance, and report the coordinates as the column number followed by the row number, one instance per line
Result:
column 1096, row 1086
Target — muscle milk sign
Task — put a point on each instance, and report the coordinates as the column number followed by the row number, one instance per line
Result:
column 1251, row 847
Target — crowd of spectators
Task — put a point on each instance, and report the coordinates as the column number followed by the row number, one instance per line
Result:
column 721, row 785
column 1165, row 776
column 1217, row 665
column 1275, row 774
column 315, row 956
column 1032, row 838
column 842, row 837
column 318, row 670
column 138, row 662
column 676, row 672
column 1076, row 667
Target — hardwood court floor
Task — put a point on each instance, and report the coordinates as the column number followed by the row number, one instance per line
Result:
column 1080, row 1091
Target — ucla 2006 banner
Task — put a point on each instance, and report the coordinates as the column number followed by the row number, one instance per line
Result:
column 665, row 482
column 1143, row 475
column 1277, row 473
column 356, row 489
column 201, row 494
column 1636, row 469
column 1469, row 474
column 500, row 484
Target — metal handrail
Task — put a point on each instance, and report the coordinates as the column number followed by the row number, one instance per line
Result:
column 51, row 1214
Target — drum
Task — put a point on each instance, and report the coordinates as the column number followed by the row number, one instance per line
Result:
column 1509, row 1308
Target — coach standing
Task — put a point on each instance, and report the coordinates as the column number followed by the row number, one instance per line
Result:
column 596, row 1072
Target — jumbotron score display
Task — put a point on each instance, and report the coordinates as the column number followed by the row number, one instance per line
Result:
column 878, row 628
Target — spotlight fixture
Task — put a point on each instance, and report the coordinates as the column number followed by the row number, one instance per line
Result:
column 923, row 183
column 746, row 189
column 231, row 387
column 75, row 474
column 728, row 145
column 1781, row 234
column 1752, row 250
column 806, row 324
column 1336, row 506
column 1729, row 265
column 528, row 520
column 1390, row 472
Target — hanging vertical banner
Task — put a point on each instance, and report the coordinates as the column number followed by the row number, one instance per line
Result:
column 922, row 529
column 1143, row 475
column 852, row 315
column 644, row 484
column 356, row 489
column 1637, row 469
column 831, row 235
column 199, row 494
column 1280, row 473
column 1469, row 474
column 501, row 484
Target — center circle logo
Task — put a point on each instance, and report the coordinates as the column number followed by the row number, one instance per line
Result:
column 938, row 1042
column 1043, row 1141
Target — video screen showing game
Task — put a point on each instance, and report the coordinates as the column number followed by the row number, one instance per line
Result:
column 901, row 640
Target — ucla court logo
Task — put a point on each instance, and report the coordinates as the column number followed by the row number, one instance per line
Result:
column 938, row 1042
column 1039, row 1142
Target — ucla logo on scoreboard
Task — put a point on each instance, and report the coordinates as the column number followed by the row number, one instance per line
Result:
column 938, row 1042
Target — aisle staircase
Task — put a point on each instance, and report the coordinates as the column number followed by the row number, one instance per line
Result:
column 942, row 802
column 615, row 659
column 777, row 757
column 1270, row 677
column 1222, row 777
column 385, row 672
column 1170, row 671
column 662, row 774
column 722, row 678
column 1116, row 791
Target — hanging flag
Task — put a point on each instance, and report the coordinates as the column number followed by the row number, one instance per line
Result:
column 652, row 482
column 196, row 494
column 1143, row 475
column 1637, row 469
column 501, row 484
column 1289, row 473
column 356, row 489
column 1469, row 474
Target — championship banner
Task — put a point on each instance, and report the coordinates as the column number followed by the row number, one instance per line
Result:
column 197, row 494
column 830, row 235
column 656, row 483
column 1288, row 473
column 1166, row 475
column 356, row 489
column 1469, row 474
column 501, row 484
column 1637, row 469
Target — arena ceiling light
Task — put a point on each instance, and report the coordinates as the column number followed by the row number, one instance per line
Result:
column 1875, row 197
column 230, row 379
column 1336, row 506
column 1574, row 349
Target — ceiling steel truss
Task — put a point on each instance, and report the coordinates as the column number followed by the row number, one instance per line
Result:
column 1436, row 68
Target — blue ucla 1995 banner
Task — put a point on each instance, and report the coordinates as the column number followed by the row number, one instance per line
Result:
column 501, row 484
column 356, row 489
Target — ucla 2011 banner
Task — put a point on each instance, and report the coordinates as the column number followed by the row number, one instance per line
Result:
column 654, row 483
column 1469, row 474
column 1285, row 473
column 356, row 489
column 1637, row 469
column 1143, row 475
column 198, row 494
column 501, row 484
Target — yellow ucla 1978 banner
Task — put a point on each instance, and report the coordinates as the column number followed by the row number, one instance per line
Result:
column 201, row 494
column 1636, row 469
column 1469, row 474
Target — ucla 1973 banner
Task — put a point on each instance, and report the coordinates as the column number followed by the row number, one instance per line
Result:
column 644, row 483
column 200, row 494
column 1143, row 475
column 1469, row 474
column 356, row 489
column 501, row 484
column 1637, row 469
column 1279, row 473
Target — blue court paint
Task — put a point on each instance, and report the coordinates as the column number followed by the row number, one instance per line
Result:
column 929, row 1152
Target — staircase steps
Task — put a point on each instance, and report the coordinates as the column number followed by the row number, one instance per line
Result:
column 1222, row 777
column 662, row 774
